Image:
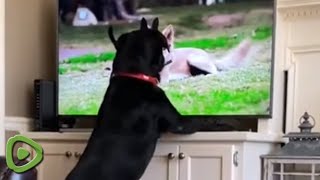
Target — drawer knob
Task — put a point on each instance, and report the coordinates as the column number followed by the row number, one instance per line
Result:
column 181, row 156
column 68, row 154
column 171, row 156
column 77, row 155
column 235, row 159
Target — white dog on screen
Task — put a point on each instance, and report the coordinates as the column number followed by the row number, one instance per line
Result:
column 183, row 59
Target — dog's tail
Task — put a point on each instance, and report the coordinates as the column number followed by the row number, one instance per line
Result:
column 237, row 57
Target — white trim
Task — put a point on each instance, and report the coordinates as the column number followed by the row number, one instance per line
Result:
column 20, row 124
column 290, row 12
column 295, row 11
column 289, row 4
column 2, row 74
column 224, row 137
column 291, row 66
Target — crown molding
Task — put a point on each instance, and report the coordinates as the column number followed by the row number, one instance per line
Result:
column 293, row 9
column 289, row 4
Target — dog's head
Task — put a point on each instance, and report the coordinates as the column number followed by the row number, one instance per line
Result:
column 168, row 33
column 140, row 51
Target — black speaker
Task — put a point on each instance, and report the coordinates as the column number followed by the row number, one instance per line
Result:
column 45, row 101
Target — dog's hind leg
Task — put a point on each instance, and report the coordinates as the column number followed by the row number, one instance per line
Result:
column 202, row 63
column 236, row 58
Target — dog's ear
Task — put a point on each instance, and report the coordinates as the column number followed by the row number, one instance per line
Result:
column 168, row 33
column 112, row 38
column 155, row 24
column 143, row 24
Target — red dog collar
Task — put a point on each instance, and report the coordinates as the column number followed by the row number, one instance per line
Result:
column 142, row 77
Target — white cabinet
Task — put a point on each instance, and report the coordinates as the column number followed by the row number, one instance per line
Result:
column 58, row 159
column 207, row 162
column 201, row 156
column 164, row 164
column 191, row 162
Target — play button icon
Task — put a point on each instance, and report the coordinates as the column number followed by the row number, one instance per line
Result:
column 22, row 154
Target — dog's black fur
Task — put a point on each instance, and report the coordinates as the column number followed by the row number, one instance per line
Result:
column 133, row 113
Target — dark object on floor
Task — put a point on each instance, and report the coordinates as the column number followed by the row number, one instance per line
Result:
column 7, row 174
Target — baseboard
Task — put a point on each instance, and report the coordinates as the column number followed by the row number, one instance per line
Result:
column 21, row 124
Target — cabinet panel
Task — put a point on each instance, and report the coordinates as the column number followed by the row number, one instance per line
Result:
column 56, row 164
column 303, row 86
column 199, row 168
column 161, row 166
column 207, row 162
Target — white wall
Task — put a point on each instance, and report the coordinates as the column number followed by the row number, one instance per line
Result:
column 301, row 56
column 2, row 73
column 298, row 52
column 30, row 52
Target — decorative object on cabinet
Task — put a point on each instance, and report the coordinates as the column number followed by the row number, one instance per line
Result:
column 299, row 158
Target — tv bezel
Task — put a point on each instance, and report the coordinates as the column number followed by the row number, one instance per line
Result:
column 244, row 116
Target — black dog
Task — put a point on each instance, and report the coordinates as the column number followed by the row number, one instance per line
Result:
column 134, row 111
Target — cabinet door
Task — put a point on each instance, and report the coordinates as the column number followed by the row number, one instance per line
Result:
column 58, row 160
column 206, row 162
column 162, row 165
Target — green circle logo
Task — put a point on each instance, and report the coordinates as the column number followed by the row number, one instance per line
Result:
column 23, row 154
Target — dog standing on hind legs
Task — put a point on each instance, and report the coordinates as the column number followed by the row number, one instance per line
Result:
column 134, row 111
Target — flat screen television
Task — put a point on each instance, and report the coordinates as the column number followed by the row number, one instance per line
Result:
column 227, row 45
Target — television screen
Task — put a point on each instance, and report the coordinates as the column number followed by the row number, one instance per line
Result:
column 221, row 52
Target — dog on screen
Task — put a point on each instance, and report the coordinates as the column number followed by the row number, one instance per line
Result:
column 187, row 62
column 134, row 112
